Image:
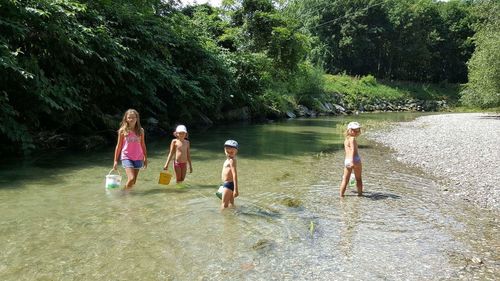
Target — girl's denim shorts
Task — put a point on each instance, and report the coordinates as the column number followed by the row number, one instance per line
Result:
column 136, row 164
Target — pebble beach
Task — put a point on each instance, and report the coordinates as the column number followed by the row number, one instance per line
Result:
column 462, row 149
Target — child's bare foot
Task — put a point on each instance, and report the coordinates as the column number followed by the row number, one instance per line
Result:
column 180, row 185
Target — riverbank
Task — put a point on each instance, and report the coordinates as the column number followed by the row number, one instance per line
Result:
column 462, row 149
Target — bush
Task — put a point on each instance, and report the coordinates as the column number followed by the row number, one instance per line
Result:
column 368, row 80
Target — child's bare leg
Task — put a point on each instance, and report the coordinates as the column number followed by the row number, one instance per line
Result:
column 359, row 181
column 131, row 176
column 345, row 180
column 227, row 197
column 231, row 201
column 136, row 173
column 183, row 172
column 178, row 174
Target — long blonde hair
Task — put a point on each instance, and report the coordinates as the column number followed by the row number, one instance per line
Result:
column 124, row 128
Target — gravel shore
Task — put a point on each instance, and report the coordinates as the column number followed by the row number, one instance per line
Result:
column 463, row 149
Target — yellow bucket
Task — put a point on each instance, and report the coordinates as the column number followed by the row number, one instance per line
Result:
column 165, row 177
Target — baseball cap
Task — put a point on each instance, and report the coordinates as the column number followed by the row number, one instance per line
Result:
column 232, row 143
column 181, row 128
column 353, row 125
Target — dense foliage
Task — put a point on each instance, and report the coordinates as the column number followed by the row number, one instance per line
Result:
column 483, row 88
column 425, row 40
column 70, row 68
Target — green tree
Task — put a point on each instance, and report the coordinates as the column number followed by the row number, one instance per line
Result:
column 408, row 40
column 271, row 49
column 413, row 35
column 452, row 46
column 483, row 88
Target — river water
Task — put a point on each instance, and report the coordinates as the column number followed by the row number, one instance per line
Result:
column 58, row 223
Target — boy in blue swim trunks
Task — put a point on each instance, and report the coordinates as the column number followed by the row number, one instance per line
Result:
column 229, row 174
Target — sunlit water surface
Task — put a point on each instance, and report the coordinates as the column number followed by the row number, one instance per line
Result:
column 58, row 223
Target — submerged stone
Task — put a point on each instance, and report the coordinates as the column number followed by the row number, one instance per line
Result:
column 282, row 177
column 291, row 202
column 263, row 245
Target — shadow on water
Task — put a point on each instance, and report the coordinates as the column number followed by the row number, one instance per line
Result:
column 172, row 188
column 271, row 144
column 380, row 196
column 250, row 209
column 214, row 186
column 52, row 167
column 277, row 140
column 17, row 178
column 160, row 191
column 340, row 147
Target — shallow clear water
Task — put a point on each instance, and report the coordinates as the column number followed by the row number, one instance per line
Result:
column 58, row 223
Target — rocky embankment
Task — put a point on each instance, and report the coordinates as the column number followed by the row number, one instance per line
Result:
column 462, row 148
column 338, row 106
column 341, row 107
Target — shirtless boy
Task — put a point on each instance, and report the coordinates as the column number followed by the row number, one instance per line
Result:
column 229, row 174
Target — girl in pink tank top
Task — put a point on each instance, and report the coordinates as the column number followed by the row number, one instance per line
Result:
column 130, row 147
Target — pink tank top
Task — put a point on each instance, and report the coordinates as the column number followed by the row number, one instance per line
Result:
column 132, row 149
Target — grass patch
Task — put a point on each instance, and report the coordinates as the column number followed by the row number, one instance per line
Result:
column 368, row 89
column 467, row 109
column 427, row 91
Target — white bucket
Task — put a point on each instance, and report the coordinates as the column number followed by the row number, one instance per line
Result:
column 113, row 181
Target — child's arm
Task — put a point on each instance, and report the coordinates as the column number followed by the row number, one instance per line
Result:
column 118, row 150
column 354, row 145
column 350, row 150
column 189, row 157
column 144, row 151
column 232, row 164
column 170, row 154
